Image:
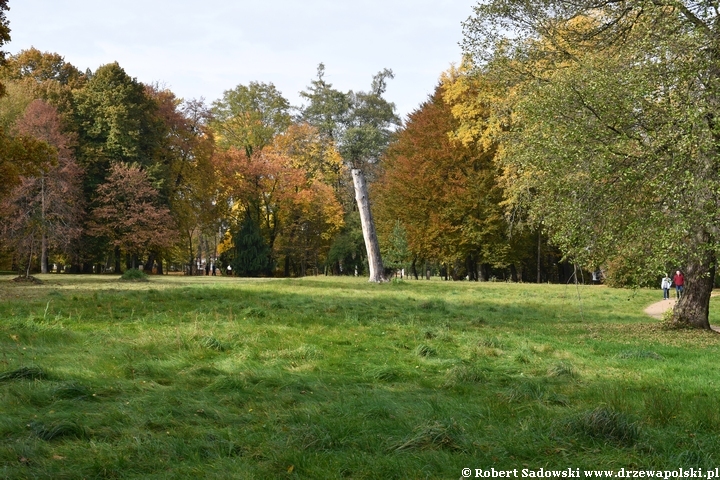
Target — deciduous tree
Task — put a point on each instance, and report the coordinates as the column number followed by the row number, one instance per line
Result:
column 56, row 192
column 249, row 117
column 185, row 169
column 127, row 213
column 360, row 124
column 615, row 138
column 443, row 191
column 115, row 121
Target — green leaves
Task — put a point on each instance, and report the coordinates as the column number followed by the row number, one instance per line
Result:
column 611, row 142
column 249, row 117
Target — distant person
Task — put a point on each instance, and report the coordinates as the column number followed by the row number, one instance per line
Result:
column 229, row 270
column 679, row 281
column 212, row 269
column 665, row 285
column 207, row 269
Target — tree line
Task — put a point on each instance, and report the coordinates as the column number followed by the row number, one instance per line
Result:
column 115, row 174
column 101, row 173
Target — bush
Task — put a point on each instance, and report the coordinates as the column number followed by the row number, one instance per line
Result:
column 134, row 275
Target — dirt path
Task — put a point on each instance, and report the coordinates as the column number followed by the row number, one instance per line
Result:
column 657, row 309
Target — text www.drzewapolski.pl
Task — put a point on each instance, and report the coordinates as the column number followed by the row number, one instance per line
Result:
column 707, row 474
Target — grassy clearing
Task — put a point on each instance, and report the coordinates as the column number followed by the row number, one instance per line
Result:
column 215, row 377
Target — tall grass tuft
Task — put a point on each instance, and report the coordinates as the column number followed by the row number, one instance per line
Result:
column 460, row 374
column 57, row 430
column 74, row 391
column 606, row 425
column 23, row 373
column 213, row 343
column 661, row 407
column 423, row 350
column 491, row 342
column 434, row 436
column 386, row 373
column 526, row 390
column 639, row 355
column 562, row 369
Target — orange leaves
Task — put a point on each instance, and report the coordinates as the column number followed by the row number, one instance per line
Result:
column 443, row 191
column 276, row 192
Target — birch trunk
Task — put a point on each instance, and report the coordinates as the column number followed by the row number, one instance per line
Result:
column 377, row 273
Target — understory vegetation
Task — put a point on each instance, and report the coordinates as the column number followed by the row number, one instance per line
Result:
column 219, row 377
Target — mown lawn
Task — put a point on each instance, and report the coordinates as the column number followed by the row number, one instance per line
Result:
column 324, row 377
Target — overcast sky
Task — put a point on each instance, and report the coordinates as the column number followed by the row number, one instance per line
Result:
column 200, row 49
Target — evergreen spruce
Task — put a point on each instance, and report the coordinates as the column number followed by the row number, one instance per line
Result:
column 252, row 254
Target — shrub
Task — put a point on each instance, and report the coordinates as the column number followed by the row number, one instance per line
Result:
column 134, row 275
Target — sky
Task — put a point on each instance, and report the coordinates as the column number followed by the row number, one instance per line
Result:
column 201, row 49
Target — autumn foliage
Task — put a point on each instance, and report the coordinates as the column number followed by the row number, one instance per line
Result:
column 443, row 192
column 128, row 215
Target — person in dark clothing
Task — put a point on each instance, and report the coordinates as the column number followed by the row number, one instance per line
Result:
column 679, row 281
column 207, row 269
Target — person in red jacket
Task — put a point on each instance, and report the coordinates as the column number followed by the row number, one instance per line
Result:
column 679, row 281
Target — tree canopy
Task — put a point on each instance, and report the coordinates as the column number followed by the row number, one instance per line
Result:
column 613, row 137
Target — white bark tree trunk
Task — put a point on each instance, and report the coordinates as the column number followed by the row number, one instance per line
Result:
column 377, row 273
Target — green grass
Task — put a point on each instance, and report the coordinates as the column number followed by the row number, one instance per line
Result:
column 216, row 377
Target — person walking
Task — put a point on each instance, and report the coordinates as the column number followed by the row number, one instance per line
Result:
column 679, row 281
column 665, row 285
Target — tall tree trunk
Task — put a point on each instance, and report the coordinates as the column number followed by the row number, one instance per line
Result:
column 43, row 246
column 377, row 273
column 539, row 256
column 32, row 250
column 471, row 266
column 191, row 253
column 117, row 260
column 693, row 307
column 485, row 269
column 147, row 268
column 44, row 254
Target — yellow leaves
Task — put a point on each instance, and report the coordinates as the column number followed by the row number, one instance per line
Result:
column 478, row 104
column 307, row 150
column 226, row 244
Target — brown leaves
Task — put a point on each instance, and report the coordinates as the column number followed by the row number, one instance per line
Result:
column 128, row 214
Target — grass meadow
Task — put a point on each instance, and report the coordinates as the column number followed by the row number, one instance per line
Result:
column 326, row 377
